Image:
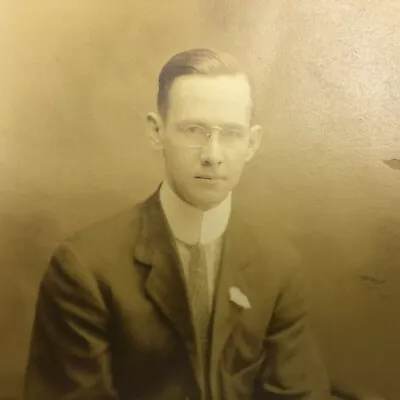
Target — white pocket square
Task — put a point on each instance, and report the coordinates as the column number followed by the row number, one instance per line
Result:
column 238, row 297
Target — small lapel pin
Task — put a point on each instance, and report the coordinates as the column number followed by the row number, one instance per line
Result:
column 238, row 297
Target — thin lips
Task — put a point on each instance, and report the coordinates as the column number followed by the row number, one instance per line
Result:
column 209, row 177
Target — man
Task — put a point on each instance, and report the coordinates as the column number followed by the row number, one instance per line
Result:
column 174, row 299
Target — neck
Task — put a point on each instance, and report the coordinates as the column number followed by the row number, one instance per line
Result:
column 190, row 224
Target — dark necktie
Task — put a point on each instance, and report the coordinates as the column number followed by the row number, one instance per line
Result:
column 200, row 308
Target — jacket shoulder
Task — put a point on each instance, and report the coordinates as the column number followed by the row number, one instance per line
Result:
column 104, row 242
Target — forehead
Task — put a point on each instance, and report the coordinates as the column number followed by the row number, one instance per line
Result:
column 215, row 99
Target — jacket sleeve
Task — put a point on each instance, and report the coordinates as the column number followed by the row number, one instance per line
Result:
column 69, row 355
column 293, row 368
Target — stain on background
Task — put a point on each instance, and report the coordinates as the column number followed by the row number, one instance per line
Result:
column 76, row 81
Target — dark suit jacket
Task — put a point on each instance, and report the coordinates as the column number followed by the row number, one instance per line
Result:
column 112, row 319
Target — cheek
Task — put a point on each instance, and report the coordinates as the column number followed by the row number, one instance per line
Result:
column 237, row 161
column 178, row 161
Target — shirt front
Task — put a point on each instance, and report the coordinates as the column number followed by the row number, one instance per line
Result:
column 191, row 226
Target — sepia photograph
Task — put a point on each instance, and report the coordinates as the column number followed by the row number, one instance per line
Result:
column 200, row 200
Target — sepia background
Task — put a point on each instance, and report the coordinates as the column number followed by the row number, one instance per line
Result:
column 76, row 81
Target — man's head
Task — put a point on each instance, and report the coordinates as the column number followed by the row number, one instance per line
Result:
column 203, row 125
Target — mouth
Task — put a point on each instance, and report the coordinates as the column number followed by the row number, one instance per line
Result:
column 209, row 178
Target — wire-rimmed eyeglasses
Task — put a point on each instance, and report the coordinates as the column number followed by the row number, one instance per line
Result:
column 195, row 135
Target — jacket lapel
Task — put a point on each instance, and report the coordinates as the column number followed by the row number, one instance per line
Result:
column 235, row 261
column 164, row 285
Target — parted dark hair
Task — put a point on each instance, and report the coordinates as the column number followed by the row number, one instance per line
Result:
column 200, row 61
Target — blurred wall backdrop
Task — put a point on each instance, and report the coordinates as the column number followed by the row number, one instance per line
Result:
column 76, row 80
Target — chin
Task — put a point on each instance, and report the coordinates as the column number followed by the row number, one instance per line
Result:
column 206, row 203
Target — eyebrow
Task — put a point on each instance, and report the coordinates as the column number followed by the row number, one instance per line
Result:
column 184, row 123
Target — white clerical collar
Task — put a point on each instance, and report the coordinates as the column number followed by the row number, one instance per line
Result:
column 191, row 225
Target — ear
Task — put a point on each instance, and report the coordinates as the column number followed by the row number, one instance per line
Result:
column 155, row 130
column 254, row 141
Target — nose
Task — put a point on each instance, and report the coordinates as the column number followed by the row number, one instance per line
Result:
column 212, row 151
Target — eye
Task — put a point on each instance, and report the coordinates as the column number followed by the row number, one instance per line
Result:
column 233, row 133
column 194, row 130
